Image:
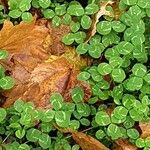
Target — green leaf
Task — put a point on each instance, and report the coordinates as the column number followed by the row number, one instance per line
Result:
column 24, row 147
column 144, row 4
column 111, row 52
column 102, row 118
column 75, row 147
column 25, row 119
column 18, row 105
column 85, row 122
column 74, row 124
column 26, row 16
column 104, row 68
column 3, row 54
column 44, row 141
column 6, row 83
column 114, row 131
column 135, row 115
column 147, row 78
column 133, row 133
column 67, row 19
column 86, row 22
column 48, row 13
column 83, row 109
column 56, row 100
column 83, row 76
column 120, row 112
column 91, row 9
column 96, row 39
column 79, row 37
column 2, row 71
column 140, row 143
column 20, row 133
column 56, row 21
column 46, row 127
column 62, row 118
column 15, row 13
column 3, row 114
column 100, row 134
column 75, row 10
column 95, row 50
column 82, row 48
column 130, row 2
column 60, row 10
column 118, row 26
column 77, row 94
column 118, row 75
column 44, row 3
column 115, row 62
column 69, row 106
column 147, row 142
column 47, row 115
column 145, row 100
column 35, row 4
column 74, row 26
column 104, row 27
column 139, row 70
column 68, row 39
column 134, row 83
column 24, row 5
column 129, row 123
column 125, row 48
column 33, row 135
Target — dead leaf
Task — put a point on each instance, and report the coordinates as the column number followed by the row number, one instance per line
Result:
column 25, row 37
column 123, row 144
column 145, row 129
column 96, row 18
column 87, row 142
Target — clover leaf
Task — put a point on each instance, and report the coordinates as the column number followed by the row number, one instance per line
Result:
column 82, row 48
column 104, row 68
column 130, row 2
column 6, row 83
column 56, row 21
column 77, row 94
column 104, row 27
column 68, row 39
column 140, row 143
column 56, row 100
column 75, row 10
column 102, row 118
column 91, row 9
column 44, row 3
column 14, row 13
column 3, row 54
column 60, row 10
column 118, row 75
column 133, row 133
column 139, row 70
column 3, row 114
column 74, row 26
column 48, row 13
column 24, row 5
column 62, row 118
column 86, row 22
column 26, row 16
column 118, row 26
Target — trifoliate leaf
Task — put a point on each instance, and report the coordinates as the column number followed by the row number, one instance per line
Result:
column 104, row 68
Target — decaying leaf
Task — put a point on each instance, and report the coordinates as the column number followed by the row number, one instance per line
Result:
column 123, row 144
column 87, row 142
column 25, row 37
column 96, row 18
column 145, row 129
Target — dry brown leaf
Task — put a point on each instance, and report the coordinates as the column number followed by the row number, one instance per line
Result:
column 96, row 18
column 145, row 129
column 87, row 142
column 123, row 144
column 25, row 37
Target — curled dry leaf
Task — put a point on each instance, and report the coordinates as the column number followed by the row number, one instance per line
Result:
column 123, row 144
column 96, row 18
column 145, row 129
column 87, row 142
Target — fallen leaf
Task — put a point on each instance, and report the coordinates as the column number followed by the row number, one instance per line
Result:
column 87, row 142
column 96, row 18
column 145, row 129
column 25, row 37
column 123, row 144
